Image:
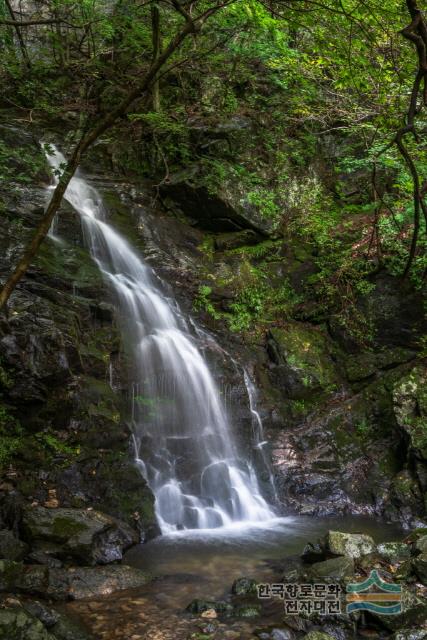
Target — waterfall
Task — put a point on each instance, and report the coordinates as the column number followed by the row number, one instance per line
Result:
column 184, row 445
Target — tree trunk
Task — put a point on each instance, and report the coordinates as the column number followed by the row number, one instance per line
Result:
column 24, row 52
column 156, row 39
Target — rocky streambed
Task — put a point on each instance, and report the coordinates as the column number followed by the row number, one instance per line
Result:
column 67, row 580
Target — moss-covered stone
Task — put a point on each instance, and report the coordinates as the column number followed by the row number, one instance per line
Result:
column 89, row 537
column 353, row 545
column 334, row 569
column 410, row 406
column 18, row 624
column 303, row 359
column 394, row 551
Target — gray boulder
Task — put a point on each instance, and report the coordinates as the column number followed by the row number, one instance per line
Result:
column 335, row 569
column 85, row 536
column 394, row 551
column 353, row 545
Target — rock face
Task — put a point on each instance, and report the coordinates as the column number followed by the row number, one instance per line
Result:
column 63, row 409
column 223, row 206
column 85, row 537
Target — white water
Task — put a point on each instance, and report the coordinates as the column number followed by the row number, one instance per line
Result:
column 184, row 445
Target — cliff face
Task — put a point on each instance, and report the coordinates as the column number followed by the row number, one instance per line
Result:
column 63, row 400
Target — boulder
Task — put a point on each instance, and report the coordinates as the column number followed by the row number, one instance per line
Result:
column 410, row 408
column 410, row 634
column 353, row 545
column 10, row 547
column 421, row 544
column 91, row 582
column 334, row 569
column 18, row 624
column 74, row 583
column 318, row 635
column 88, row 537
column 419, row 565
column 394, row 551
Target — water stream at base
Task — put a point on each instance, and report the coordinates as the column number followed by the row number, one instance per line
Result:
column 184, row 445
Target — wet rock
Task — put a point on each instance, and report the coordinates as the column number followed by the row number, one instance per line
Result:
column 74, row 583
column 405, row 572
column 43, row 557
column 414, row 614
column 410, row 406
column 419, row 565
column 198, row 606
column 301, row 360
column 394, row 551
column 335, row 568
column 318, row 635
column 282, row 634
column 10, row 547
column 244, row 586
column 406, row 494
column 47, row 616
column 353, row 545
column 85, row 582
column 18, row 624
column 410, row 634
column 420, row 545
column 313, row 552
column 88, row 537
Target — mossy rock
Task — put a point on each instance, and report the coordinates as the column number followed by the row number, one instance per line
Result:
column 334, row 569
column 18, row 624
column 89, row 537
column 410, row 407
column 303, row 359
column 352, row 545
column 394, row 551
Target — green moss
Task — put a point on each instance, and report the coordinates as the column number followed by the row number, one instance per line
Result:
column 11, row 437
column 306, row 350
column 64, row 528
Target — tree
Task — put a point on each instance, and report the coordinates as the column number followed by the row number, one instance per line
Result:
column 193, row 22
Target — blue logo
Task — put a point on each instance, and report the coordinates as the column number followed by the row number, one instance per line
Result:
column 387, row 600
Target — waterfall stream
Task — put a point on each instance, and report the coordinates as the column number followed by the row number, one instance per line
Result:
column 184, row 444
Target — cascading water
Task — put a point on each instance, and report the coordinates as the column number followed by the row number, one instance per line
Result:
column 183, row 440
